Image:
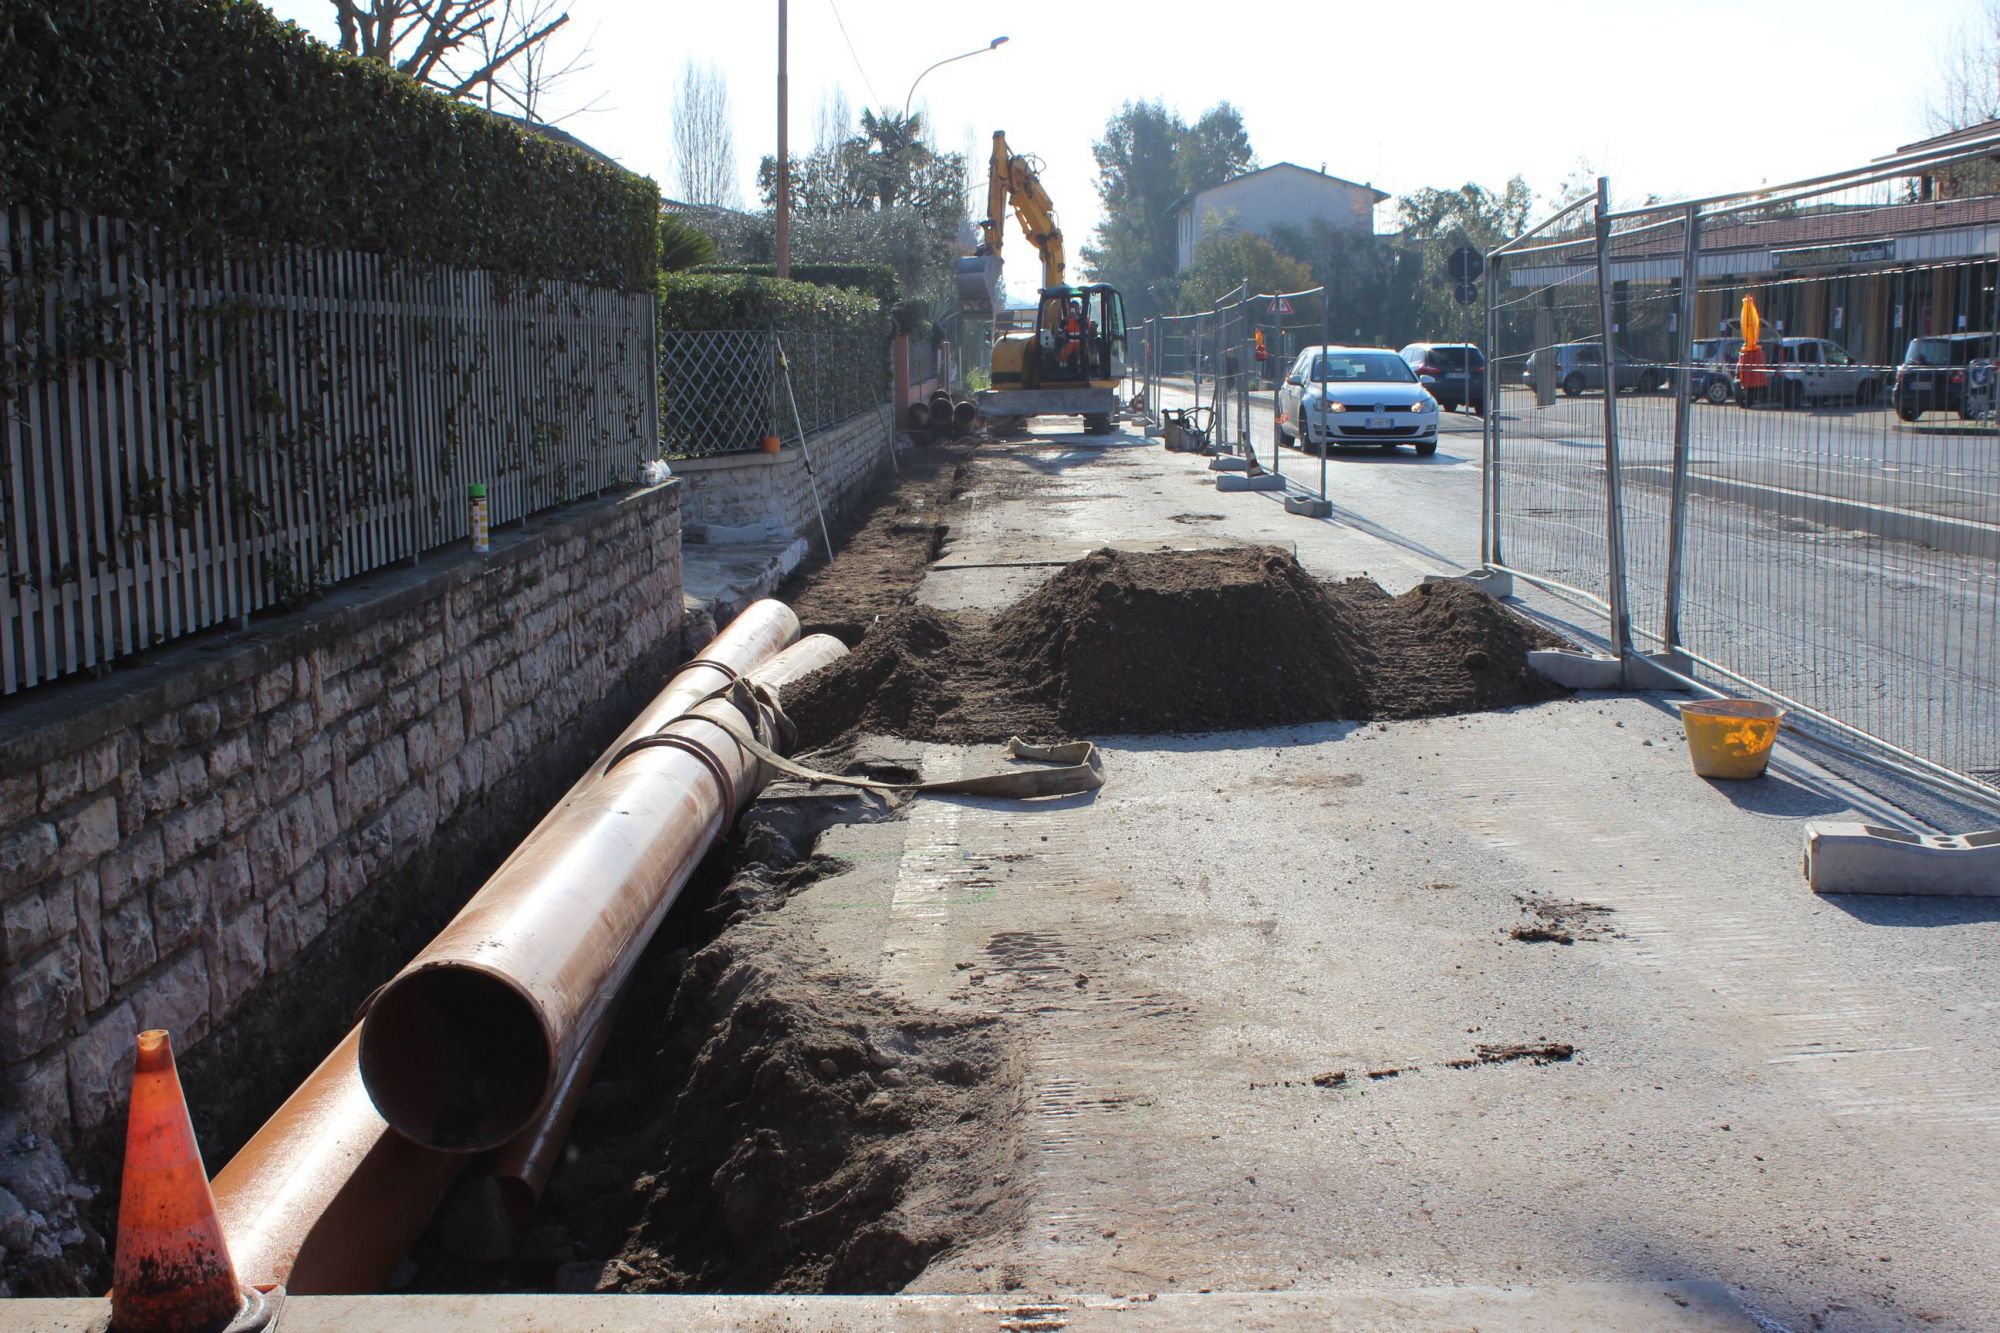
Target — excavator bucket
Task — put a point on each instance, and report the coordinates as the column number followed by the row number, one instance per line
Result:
column 977, row 278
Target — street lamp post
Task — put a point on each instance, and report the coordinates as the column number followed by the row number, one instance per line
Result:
column 992, row 45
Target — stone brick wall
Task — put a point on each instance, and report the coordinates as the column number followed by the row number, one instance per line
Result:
column 769, row 496
column 173, row 834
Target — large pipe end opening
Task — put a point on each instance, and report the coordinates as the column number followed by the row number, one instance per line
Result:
column 455, row 1059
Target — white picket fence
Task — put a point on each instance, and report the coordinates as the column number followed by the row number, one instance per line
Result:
column 188, row 442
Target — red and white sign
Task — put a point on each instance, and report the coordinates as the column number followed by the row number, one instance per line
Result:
column 1280, row 306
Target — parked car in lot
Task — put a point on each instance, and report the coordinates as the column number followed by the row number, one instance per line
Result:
column 1933, row 375
column 1578, row 367
column 1455, row 373
column 1712, row 369
column 1349, row 396
column 1813, row 370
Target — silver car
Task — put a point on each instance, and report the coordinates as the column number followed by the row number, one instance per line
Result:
column 1813, row 370
column 1356, row 396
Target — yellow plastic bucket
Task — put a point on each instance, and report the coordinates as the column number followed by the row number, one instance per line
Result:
column 1730, row 738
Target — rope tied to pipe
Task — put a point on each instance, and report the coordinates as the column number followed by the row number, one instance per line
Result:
column 755, row 721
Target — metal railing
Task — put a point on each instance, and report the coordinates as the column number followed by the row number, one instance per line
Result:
column 723, row 390
column 1818, row 524
column 188, row 439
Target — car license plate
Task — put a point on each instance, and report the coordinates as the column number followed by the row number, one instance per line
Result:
column 1379, row 423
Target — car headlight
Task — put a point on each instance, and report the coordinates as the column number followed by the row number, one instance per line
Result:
column 1424, row 405
column 1328, row 405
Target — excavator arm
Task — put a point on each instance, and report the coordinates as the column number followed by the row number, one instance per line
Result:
column 1011, row 179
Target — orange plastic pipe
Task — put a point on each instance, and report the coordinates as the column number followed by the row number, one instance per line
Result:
column 524, row 1166
column 763, row 629
column 463, row 1048
column 326, row 1198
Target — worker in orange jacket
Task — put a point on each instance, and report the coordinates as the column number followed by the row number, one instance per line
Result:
column 1072, row 333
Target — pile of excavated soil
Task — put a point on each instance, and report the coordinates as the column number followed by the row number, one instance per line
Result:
column 1136, row 643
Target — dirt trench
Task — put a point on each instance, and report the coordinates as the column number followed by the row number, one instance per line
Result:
column 885, row 548
column 760, row 1120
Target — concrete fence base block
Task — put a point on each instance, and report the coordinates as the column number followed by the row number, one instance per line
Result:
column 1228, row 463
column 1657, row 671
column 1266, row 481
column 1578, row 671
column 1866, row 858
column 1311, row 506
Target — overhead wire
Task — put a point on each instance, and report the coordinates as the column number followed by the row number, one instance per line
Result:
column 841, row 23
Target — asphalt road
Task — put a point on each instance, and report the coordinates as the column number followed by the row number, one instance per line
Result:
column 1938, row 464
column 1896, row 638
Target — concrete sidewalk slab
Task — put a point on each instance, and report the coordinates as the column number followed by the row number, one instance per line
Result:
column 1585, row 1307
column 1280, row 994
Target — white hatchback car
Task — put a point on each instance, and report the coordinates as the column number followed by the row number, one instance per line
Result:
column 1356, row 396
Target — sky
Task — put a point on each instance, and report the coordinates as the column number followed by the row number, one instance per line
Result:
column 1666, row 98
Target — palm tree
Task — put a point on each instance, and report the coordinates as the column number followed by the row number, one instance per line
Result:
column 683, row 245
column 893, row 150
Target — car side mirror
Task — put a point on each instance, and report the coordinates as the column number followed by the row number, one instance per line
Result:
column 1294, row 379
column 1427, row 380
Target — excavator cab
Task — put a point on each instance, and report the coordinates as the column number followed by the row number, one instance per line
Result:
column 1079, row 336
column 1062, row 356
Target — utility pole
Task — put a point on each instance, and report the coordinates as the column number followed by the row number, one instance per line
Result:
column 784, row 161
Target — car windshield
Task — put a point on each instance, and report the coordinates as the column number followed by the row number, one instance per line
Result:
column 1947, row 351
column 1361, row 368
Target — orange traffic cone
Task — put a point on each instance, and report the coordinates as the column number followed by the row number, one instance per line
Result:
column 172, row 1272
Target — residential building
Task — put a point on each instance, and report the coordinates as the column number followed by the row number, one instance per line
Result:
column 1281, row 194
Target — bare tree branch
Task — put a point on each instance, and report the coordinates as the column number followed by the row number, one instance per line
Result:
column 705, row 167
column 1968, row 86
column 484, row 74
column 459, row 47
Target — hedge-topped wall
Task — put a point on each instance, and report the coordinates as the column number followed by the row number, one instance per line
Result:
column 690, row 302
column 211, row 118
column 722, row 387
column 878, row 280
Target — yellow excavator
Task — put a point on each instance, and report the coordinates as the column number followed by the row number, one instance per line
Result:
column 1065, row 356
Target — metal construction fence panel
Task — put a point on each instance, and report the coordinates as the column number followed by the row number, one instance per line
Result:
column 1211, row 359
column 1811, row 514
column 185, row 440
column 723, row 390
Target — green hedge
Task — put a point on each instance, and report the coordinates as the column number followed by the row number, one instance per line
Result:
column 691, row 302
column 211, row 118
column 878, row 280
